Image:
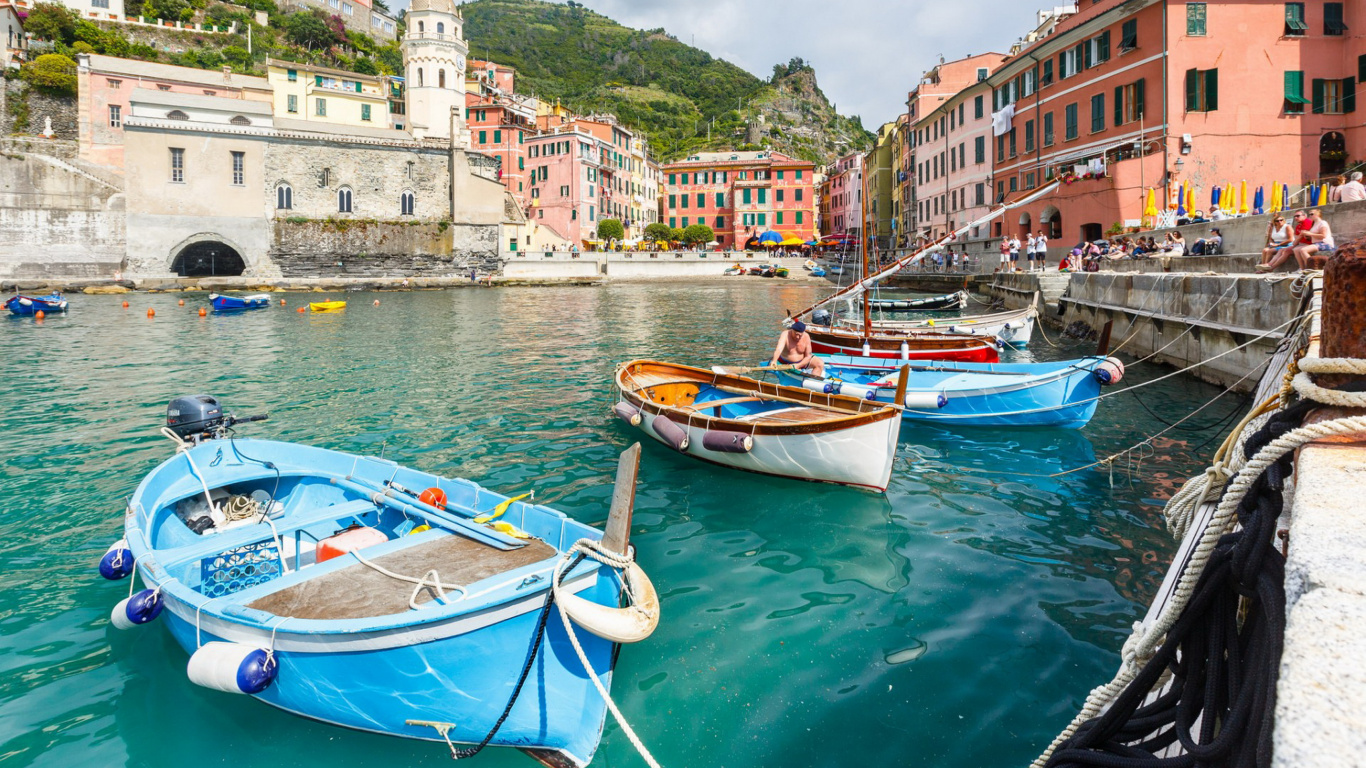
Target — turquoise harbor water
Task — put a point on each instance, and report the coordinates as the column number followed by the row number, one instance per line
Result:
column 958, row 621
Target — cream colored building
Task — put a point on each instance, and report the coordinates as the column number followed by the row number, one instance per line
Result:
column 434, row 60
column 321, row 95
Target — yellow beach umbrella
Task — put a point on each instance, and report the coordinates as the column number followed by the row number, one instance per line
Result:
column 1275, row 205
column 1242, row 197
column 792, row 241
column 1231, row 204
column 1323, row 195
column 1190, row 199
column 1150, row 209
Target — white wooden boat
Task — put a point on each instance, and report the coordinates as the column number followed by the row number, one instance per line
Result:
column 1015, row 327
column 758, row 426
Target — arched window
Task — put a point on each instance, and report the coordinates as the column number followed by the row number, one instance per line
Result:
column 284, row 197
column 440, row 78
column 406, row 203
column 419, row 77
column 440, row 28
column 420, row 27
column 239, row 120
column 176, row 114
column 344, row 200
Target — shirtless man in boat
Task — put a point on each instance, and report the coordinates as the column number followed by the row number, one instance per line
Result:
column 794, row 348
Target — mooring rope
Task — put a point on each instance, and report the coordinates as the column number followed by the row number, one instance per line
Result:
column 1226, row 615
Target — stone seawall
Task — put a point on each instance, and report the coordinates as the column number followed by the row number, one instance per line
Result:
column 55, row 220
column 1190, row 318
column 380, row 249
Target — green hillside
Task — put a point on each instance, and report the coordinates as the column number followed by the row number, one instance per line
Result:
column 684, row 99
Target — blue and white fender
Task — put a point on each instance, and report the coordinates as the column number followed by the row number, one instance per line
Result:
column 139, row 608
column 233, row 667
column 117, row 562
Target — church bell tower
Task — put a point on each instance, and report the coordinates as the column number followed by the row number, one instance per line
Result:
column 434, row 53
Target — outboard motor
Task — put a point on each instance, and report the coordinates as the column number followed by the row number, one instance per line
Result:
column 820, row 317
column 194, row 415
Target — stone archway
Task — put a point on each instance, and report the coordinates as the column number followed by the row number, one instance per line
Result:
column 1052, row 217
column 208, row 256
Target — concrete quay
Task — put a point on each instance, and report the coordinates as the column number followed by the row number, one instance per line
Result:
column 640, row 265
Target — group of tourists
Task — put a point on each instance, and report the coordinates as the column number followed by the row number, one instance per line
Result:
column 1035, row 248
column 1308, row 237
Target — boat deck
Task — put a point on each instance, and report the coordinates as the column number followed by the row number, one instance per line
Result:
column 358, row 591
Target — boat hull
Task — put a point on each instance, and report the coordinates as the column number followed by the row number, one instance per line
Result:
column 327, row 306
column 949, row 301
column 27, row 306
column 1013, row 328
column 918, row 346
column 1042, row 395
column 223, row 304
column 860, row 457
column 379, row 690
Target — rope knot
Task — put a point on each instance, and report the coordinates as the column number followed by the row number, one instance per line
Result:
column 1137, row 650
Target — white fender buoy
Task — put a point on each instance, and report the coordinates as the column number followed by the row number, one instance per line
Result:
column 117, row 561
column 26, row 302
column 725, row 441
column 906, row 349
column 627, row 413
column 631, row 624
column 232, row 668
column 671, row 433
column 924, row 401
column 1110, row 370
column 821, row 386
column 141, row 608
column 858, row 390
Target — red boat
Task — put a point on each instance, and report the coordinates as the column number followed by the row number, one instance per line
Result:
column 908, row 346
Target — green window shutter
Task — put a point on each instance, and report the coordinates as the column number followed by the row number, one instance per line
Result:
column 701, row 199
column 1294, row 87
column 1047, row 129
column 1349, row 95
column 1319, row 98
column 1361, row 67
column 1105, row 46
column 1139, row 97
column 1192, row 90
column 318, row 80
column 357, row 86
column 483, row 137
column 1294, row 19
column 1062, row 65
column 763, row 196
column 1098, row 113
column 1332, row 19
column 799, row 217
column 1211, row 90
column 748, row 196
column 1047, row 79
column 1119, row 105
column 521, row 164
column 720, row 199
column 1129, row 35
column 497, row 137
column 763, row 219
column 673, row 201
column 1085, row 50
column 779, row 217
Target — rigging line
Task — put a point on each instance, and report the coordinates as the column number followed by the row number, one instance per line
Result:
column 1200, row 428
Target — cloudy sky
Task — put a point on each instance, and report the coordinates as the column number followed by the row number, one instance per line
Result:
column 867, row 53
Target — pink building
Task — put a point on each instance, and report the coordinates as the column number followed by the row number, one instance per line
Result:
column 844, row 189
column 742, row 194
column 565, row 175
column 950, row 117
column 1150, row 93
column 105, row 83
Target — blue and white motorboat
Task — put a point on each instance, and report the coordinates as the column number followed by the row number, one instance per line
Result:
column 27, row 306
column 1059, row 394
column 222, row 303
column 317, row 582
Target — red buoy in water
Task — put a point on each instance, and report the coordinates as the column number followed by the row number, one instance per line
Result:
column 151, row 312
column 125, row 305
column 39, row 315
column 282, row 302
column 203, row 312
column 301, row 310
column 377, row 302
column 182, row 302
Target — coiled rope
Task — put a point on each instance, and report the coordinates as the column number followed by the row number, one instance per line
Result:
column 1230, row 638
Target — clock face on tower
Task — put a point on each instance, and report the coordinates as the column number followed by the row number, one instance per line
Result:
column 459, row 64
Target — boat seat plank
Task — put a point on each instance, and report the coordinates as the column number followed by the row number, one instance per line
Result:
column 710, row 404
column 794, row 415
column 359, row 591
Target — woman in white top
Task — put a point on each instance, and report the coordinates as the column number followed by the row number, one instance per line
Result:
column 1277, row 237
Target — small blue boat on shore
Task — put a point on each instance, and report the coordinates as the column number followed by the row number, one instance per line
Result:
column 317, row 582
column 238, row 303
column 1059, row 394
column 27, row 306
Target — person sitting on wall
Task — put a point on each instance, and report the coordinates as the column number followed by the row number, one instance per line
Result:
column 1209, row 246
column 1314, row 254
column 1353, row 191
column 1198, row 218
column 1335, row 189
column 1300, row 236
column 1176, row 245
column 1277, row 237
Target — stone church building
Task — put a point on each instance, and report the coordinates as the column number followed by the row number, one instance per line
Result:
column 223, row 186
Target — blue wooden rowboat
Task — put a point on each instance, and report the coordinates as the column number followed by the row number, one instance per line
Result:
column 238, row 303
column 1059, row 394
column 317, row 582
column 26, row 306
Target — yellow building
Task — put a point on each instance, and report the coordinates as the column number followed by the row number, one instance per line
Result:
column 318, row 94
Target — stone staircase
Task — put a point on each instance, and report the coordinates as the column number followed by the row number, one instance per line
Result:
column 1016, row 290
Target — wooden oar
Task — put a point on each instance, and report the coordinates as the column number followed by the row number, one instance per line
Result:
column 617, row 535
column 739, row 370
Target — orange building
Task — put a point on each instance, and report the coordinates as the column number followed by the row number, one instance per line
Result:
column 1131, row 94
column 741, row 194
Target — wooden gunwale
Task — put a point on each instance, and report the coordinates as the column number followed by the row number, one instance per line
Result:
column 882, row 339
column 857, row 412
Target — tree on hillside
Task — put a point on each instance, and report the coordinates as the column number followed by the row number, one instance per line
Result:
column 611, row 229
column 53, row 22
column 658, row 231
column 698, row 234
column 51, row 72
column 309, row 29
